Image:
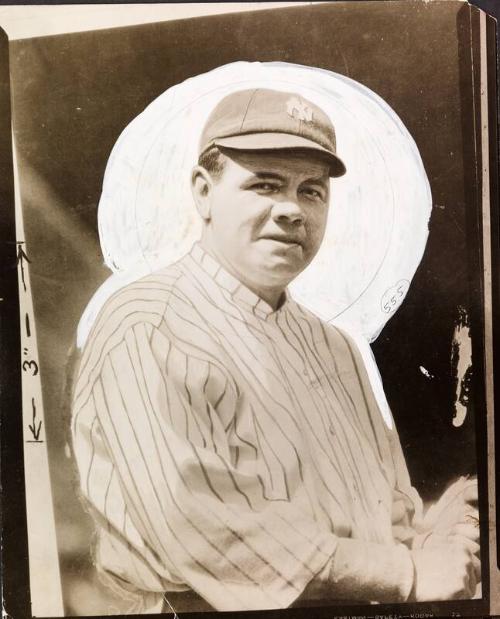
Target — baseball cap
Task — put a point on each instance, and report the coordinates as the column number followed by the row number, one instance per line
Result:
column 264, row 119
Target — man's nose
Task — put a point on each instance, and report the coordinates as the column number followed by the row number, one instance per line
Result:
column 288, row 211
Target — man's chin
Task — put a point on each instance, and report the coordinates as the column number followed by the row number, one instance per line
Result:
column 277, row 271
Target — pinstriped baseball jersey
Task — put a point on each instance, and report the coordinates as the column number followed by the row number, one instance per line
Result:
column 224, row 446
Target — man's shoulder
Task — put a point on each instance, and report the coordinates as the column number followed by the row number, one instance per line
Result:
column 140, row 314
column 144, row 300
column 319, row 324
column 341, row 340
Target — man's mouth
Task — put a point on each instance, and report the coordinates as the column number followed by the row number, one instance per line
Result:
column 286, row 239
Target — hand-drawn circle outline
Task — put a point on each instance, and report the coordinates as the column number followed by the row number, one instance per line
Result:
column 226, row 86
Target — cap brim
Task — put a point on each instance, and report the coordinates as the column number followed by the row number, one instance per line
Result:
column 281, row 141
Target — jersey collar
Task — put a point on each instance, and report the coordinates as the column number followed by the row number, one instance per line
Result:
column 240, row 294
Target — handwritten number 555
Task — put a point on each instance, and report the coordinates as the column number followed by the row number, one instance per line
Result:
column 393, row 297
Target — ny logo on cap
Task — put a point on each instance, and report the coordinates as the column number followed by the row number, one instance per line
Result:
column 299, row 110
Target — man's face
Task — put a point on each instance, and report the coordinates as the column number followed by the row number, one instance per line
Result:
column 267, row 214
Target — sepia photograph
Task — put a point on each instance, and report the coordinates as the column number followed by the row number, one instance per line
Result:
column 254, row 287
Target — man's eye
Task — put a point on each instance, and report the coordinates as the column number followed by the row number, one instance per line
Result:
column 264, row 187
column 311, row 193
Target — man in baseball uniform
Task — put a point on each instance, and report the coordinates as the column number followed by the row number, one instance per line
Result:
column 228, row 441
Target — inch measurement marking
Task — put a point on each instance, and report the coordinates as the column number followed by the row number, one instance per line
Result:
column 31, row 366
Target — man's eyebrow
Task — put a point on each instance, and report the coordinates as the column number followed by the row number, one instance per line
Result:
column 322, row 180
column 265, row 174
column 274, row 175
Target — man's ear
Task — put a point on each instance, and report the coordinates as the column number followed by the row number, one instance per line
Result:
column 201, row 187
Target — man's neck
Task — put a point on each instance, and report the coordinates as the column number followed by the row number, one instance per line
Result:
column 274, row 297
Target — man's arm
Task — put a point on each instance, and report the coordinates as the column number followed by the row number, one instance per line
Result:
column 209, row 524
column 447, row 549
column 360, row 571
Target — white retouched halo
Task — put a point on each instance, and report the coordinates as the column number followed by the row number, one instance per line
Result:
column 379, row 212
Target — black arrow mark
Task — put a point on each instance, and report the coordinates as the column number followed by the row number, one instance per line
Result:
column 21, row 256
column 33, row 427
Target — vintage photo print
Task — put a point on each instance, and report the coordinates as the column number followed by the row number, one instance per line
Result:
column 254, row 275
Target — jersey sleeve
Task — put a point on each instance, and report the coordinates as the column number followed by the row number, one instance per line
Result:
column 407, row 503
column 208, row 524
